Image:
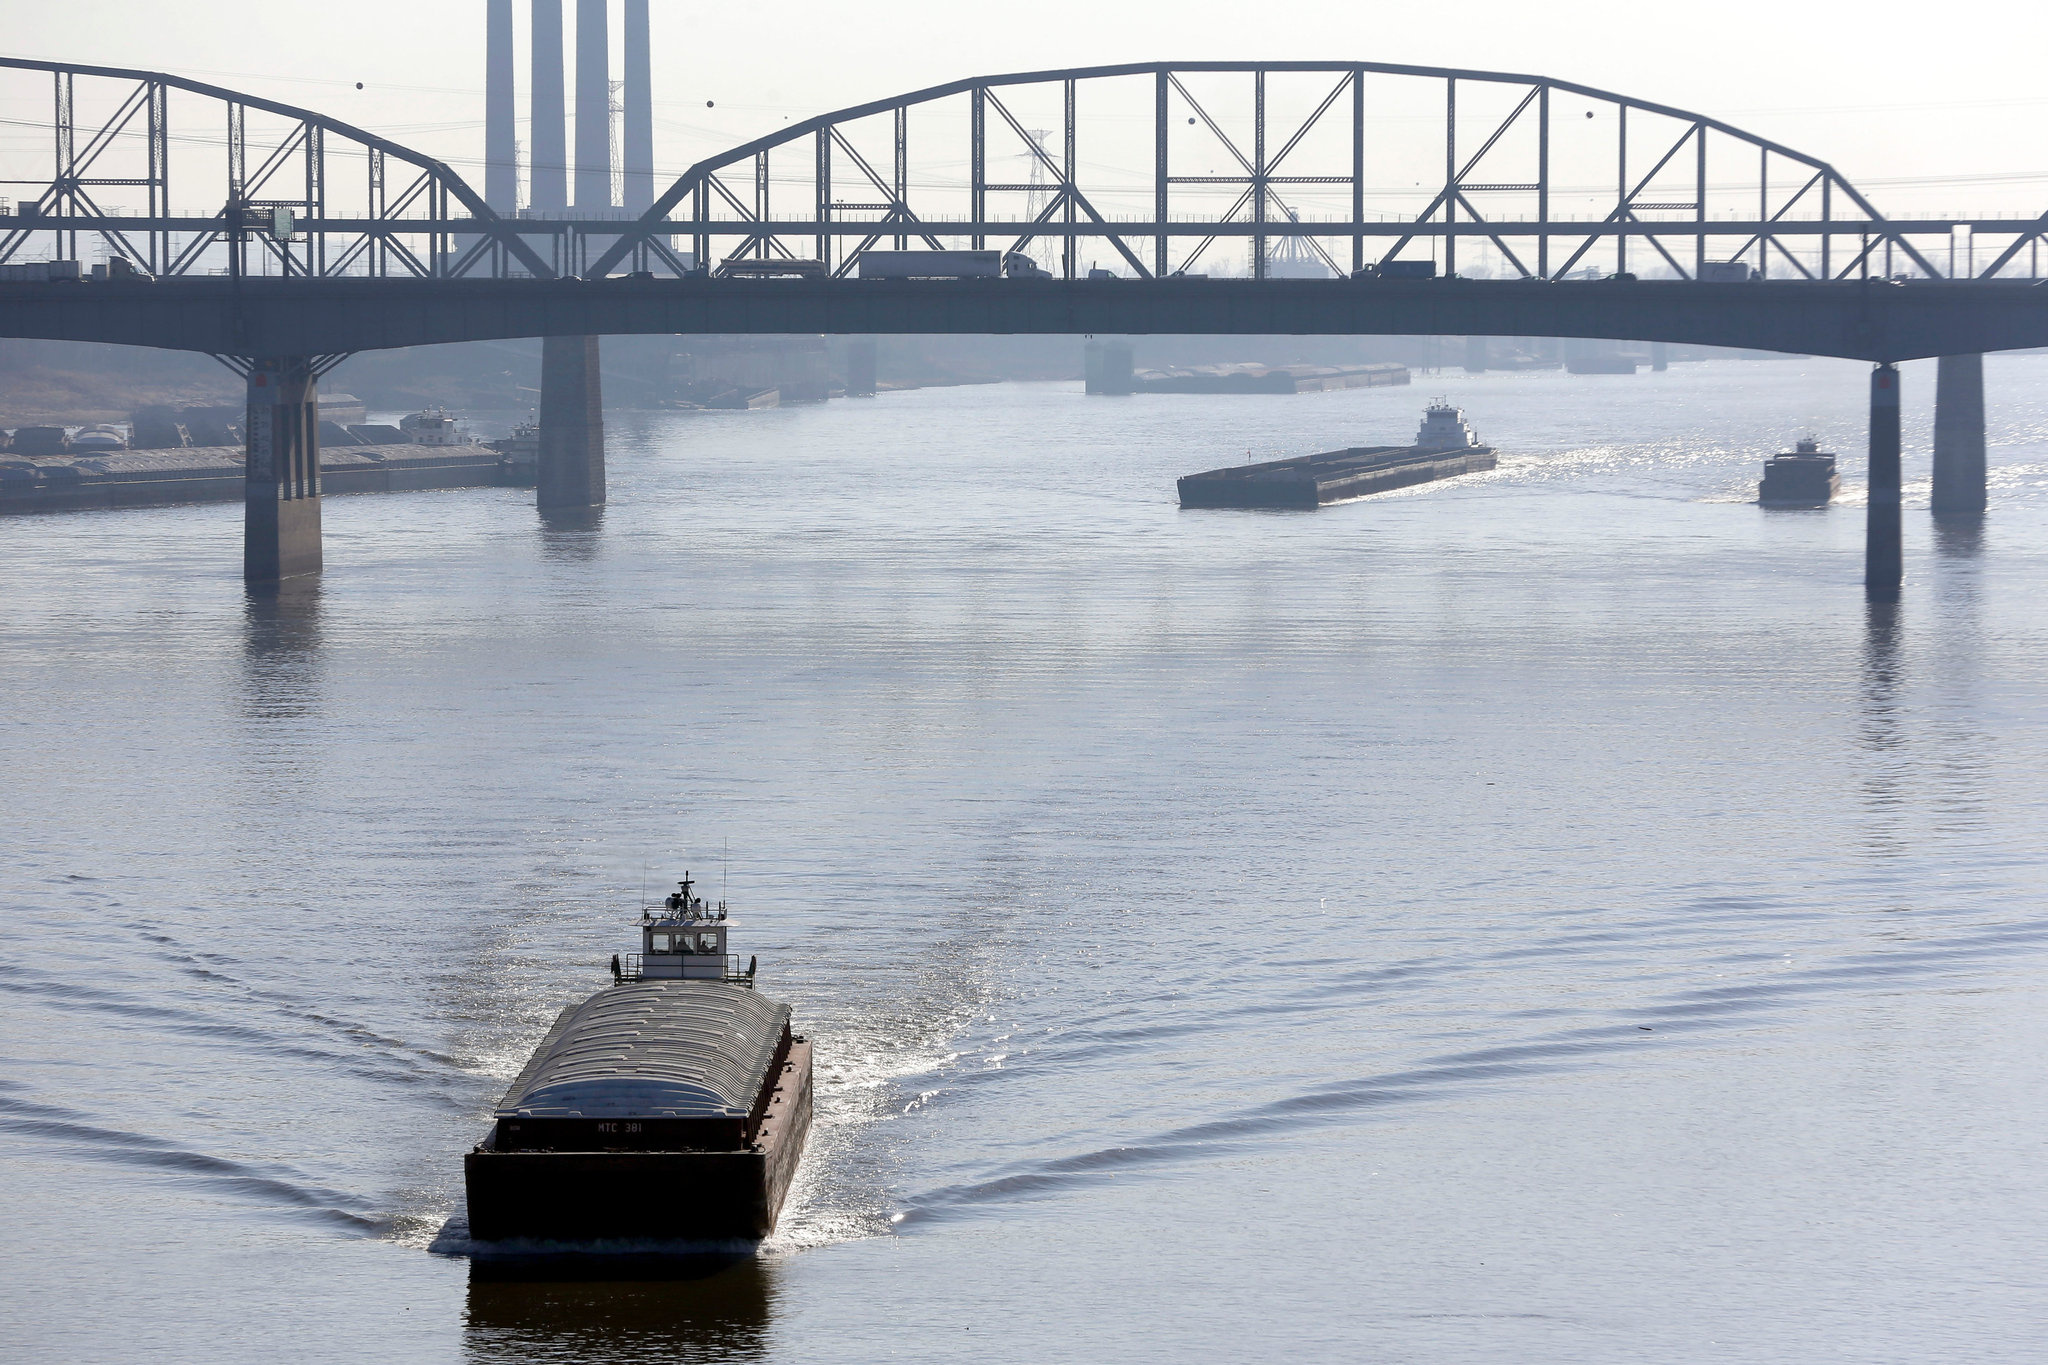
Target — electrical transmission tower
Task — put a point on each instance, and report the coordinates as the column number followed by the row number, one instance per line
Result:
column 1038, row 196
column 616, row 118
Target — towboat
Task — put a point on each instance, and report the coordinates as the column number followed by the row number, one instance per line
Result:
column 1804, row 477
column 671, row 1106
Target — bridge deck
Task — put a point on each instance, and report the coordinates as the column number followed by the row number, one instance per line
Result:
column 1869, row 320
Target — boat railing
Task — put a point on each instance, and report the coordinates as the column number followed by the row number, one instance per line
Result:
column 632, row 967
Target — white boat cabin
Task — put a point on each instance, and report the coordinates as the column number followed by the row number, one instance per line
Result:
column 684, row 940
column 432, row 428
column 1444, row 428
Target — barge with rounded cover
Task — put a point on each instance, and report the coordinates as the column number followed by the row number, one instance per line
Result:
column 671, row 1107
column 1444, row 448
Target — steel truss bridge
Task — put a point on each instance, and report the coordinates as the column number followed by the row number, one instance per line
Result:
column 279, row 239
column 268, row 229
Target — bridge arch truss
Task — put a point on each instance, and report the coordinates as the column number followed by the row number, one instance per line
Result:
column 1146, row 170
column 1312, row 168
column 178, row 177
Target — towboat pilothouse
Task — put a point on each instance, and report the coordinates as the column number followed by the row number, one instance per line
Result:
column 670, row 1107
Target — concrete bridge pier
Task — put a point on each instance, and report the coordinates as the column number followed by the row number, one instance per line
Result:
column 1883, row 552
column 1959, row 437
column 1107, row 367
column 860, row 368
column 281, row 518
column 571, row 456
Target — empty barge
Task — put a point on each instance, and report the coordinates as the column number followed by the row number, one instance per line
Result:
column 671, row 1107
column 1444, row 448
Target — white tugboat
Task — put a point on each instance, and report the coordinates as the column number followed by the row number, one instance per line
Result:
column 1444, row 428
column 671, row 1107
column 519, row 453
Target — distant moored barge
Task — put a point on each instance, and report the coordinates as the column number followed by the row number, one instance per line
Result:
column 671, row 1107
column 1444, row 448
column 1268, row 379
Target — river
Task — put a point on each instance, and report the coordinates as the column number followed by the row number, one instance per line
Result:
column 1545, row 916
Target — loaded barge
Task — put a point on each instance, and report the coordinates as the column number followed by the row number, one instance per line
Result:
column 670, row 1107
column 1444, row 448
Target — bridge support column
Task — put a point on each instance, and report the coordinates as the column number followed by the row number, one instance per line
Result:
column 860, row 368
column 571, row 456
column 1119, row 368
column 1883, row 553
column 1959, row 437
column 1475, row 355
column 1660, row 357
column 1108, row 366
column 281, row 517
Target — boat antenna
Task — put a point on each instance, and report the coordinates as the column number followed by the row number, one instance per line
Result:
column 724, row 868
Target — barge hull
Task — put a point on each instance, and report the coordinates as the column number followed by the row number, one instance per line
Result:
column 1300, row 484
column 1404, row 476
column 686, row 1196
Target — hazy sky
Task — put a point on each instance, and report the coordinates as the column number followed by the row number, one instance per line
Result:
column 1928, row 107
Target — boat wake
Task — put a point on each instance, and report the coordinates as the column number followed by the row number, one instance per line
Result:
column 74, row 1136
column 1683, row 1017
